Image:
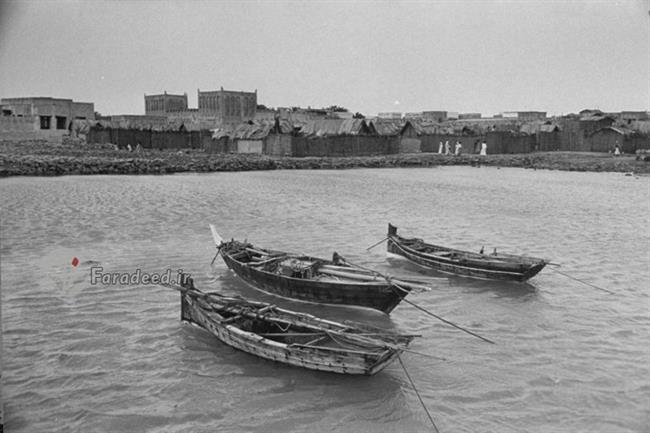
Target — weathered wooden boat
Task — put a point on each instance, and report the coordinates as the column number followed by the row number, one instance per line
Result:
column 313, row 279
column 290, row 337
column 494, row 266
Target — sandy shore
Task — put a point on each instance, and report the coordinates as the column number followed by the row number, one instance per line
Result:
column 46, row 159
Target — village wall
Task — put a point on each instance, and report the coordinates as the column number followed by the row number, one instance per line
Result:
column 344, row 145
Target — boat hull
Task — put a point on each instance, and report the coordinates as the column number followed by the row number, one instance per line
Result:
column 467, row 265
column 313, row 358
column 380, row 296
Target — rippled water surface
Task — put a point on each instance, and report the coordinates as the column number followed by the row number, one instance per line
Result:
column 568, row 358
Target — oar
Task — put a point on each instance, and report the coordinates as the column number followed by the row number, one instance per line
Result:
column 364, row 277
column 420, row 308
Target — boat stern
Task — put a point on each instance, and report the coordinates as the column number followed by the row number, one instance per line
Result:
column 534, row 270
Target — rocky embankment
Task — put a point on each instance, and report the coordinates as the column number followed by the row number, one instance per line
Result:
column 47, row 159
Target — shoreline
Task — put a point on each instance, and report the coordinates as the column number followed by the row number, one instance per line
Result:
column 45, row 159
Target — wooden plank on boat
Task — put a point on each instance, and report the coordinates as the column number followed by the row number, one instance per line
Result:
column 264, row 262
column 335, row 349
column 254, row 251
column 231, row 319
column 349, row 275
column 345, row 269
column 292, row 334
column 316, row 340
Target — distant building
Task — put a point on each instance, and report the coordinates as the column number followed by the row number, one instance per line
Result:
column 606, row 139
column 435, row 116
column 265, row 115
column 462, row 116
column 589, row 124
column 164, row 103
column 413, row 116
column 341, row 115
column 137, row 121
column 629, row 116
column 58, row 113
column 391, row 115
column 591, row 112
column 41, row 117
column 298, row 115
column 230, row 107
column 524, row 116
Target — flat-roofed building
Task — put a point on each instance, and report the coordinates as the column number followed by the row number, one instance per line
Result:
column 628, row 116
column 41, row 117
column 164, row 103
column 391, row 115
column 413, row 116
column 230, row 106
column 524, row 116
column 434, row 116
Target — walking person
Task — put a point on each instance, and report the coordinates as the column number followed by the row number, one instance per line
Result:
column 483, row 148
column 447, row 148
column 440, row 149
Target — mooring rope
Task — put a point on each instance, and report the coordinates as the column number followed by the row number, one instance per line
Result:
column 582, row 281
column 374, row 245
column 216, row 255
column 446, row 321
column 406, row 292
column 418, row 394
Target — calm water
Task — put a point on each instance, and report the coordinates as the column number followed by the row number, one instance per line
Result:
column 568, row 358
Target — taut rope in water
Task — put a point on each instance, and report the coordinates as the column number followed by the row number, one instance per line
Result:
column 582, row 281
column 374, row 245
column 447, row 321
column 392, row 282
column 418, row 394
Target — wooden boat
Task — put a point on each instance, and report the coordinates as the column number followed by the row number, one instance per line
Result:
column 289, row 337
column 312, row 279
column 495, row 266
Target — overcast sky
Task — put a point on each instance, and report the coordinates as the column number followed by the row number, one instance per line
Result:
column 473, row 56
